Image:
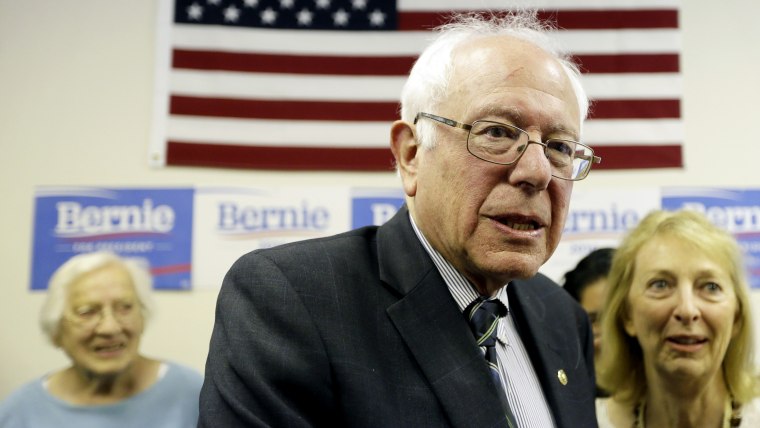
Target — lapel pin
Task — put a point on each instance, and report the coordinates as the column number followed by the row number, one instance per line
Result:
column 562, row 377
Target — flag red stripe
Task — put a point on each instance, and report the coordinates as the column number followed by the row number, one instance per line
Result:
column 296, row 110
column 632, row 157
column 564, row 19
column 629, row 63
column 381, row 111
column 279, row 158
column 612, row 19
column 387, row 65
column 358, row 159
column 635, row 109
column 293, row 64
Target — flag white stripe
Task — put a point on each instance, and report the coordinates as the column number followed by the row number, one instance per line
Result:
column 600, row 132
column 400, row 43
column 633, row 86
column 286, row 86
column 649, row 41
column 271, row 86
column 375, row 134
column 303, row 133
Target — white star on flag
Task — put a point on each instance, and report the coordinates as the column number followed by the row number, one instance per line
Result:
column 304, row 17
column 195, row 11
column 341, row 18
column 231, row 14
column 377, row 18
column 268, row 16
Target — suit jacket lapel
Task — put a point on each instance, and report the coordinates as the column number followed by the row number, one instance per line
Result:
column 429, row 321
column 540, row 340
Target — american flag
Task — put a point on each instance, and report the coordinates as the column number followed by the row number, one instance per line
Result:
column 314, row 84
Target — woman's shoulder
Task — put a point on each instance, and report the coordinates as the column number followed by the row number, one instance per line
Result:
column 181, row 376
column 183, row 371
column 32, row 390
column 611, row 413
column 602, row 417
column 751, row 413
column 27, row 398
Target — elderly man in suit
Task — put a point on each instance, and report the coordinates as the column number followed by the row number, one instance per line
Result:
column 438, row 317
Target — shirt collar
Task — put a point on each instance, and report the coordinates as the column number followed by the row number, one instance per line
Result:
column 460, row 287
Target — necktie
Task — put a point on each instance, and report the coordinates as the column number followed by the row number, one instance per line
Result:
column 483, row 317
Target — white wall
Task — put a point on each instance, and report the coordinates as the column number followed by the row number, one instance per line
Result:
column 75, row 108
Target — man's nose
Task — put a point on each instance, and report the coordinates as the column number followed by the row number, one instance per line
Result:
column 533, row 166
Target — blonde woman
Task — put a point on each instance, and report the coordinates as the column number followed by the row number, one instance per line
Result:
column 677, row 331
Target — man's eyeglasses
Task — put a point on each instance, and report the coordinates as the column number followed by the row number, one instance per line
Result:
column 504, row 144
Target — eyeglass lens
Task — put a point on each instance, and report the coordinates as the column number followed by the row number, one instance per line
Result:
column 92, row 315
column 504, row 144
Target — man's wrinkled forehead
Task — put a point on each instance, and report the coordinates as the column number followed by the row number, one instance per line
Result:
column 508, row 58
column 486, row 65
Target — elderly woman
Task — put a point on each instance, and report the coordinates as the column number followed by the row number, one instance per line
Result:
column 96, row 309
column 676, row 329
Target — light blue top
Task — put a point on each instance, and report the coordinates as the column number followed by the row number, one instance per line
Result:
column 171, row 402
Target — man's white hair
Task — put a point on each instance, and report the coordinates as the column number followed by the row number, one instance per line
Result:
column 428, row 82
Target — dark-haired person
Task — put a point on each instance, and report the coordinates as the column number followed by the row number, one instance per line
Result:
column 587, row 283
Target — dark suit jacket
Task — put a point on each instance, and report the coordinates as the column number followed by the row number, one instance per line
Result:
column 360, row 330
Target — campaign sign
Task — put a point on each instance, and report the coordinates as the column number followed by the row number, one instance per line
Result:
column 735, row 210
column 598, row 218
column 232, row 221
column 374, row 206
column 153, row 224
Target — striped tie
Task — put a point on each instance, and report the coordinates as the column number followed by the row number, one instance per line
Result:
column 483, row 317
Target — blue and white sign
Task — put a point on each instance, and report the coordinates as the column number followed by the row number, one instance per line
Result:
column 155, row 224
column 735, row 210
column 598, row 218
column 374, row 206
column 232, row 221
column 210, row 227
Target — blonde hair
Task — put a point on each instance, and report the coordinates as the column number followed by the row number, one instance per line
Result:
column 621, row 367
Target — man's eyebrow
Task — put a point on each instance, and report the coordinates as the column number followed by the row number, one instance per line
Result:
column 514, row 115
column 559, row 128
column 510, row 113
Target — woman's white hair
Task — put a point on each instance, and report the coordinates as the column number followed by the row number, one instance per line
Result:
column 81, row 264
column 427, row 85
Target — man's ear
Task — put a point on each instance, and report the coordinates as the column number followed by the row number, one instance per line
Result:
column 405, row 151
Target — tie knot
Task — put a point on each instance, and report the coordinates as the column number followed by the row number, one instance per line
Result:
column 483, row 316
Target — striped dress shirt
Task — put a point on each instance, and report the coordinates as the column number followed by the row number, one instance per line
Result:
column 518, row 378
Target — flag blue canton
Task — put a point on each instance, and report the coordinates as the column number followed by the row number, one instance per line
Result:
column 353, row 15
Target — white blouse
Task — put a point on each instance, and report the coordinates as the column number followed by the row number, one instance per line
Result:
column 750, row 414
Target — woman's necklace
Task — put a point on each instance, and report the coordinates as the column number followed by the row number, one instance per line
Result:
column 732, row 415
